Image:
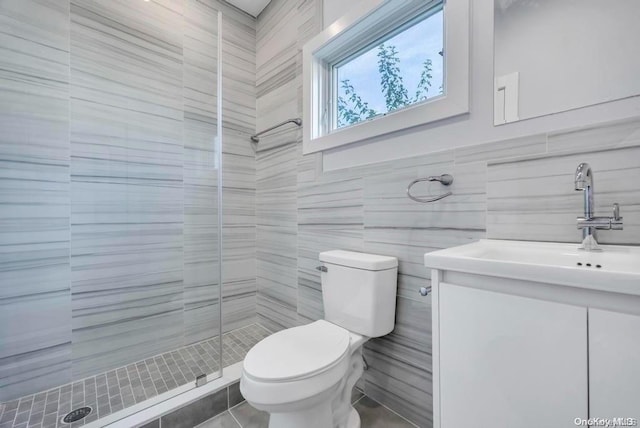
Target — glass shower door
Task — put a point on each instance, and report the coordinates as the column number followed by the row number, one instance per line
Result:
column 110, row 278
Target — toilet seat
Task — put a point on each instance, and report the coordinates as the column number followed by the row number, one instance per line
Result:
column 297, row 353
column 296, row 365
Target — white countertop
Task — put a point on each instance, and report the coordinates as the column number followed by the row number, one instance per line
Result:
column 614, row 269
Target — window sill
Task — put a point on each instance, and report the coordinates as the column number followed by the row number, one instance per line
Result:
column 435, row 110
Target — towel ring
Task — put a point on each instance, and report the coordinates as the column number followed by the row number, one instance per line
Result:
column 445, row 179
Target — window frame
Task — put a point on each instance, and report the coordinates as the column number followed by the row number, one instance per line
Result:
column 366, row 22
column 423, row 15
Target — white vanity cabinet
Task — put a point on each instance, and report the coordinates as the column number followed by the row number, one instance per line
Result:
column 510, row 361
column 614, row 364
column 535, row 335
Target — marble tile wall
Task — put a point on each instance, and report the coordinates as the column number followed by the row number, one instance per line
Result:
column 278, row 61
column 239, row 168
column 201, row 256
column 534, row 198
column 127, row 191
column 34, row 194
column 109, row 183
column 516, row 189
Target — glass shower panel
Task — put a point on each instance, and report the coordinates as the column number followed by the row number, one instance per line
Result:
column 110, row 219
column 203, row 180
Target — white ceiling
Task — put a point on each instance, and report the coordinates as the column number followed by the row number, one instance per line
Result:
column 252, row 7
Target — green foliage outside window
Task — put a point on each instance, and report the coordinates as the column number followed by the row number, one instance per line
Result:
column 353, row 109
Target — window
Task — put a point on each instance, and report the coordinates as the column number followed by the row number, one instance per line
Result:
column 385, row 66
column 404, row 68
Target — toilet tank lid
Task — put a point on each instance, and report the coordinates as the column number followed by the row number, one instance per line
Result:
column 358, row 260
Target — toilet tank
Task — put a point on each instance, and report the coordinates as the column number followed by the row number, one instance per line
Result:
column 359, row 291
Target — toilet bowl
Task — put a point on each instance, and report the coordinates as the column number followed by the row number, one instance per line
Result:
column 299, row 376
column 303, row 376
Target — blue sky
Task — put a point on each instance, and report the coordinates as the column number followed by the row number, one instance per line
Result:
column 416, row 44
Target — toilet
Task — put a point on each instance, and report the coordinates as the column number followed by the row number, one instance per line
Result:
column 303, row 376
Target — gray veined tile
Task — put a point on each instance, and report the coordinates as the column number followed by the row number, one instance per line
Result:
column 239, row 242
column 201, row 158
column 278, row 69
column 536, row 200
column 239, row 63
column 197, row 412
column 34, row 183
column 201, row 313
column 409, row 245
column 250, row 417
column 280, row 103
column 310, row 24
column 625, row 133
column 235, row 396
column 274, row 313
column 277, row 77
column 276, row 237
column 356, row 394
column 374, row 415
column 386, row 203
column 223, row 420
column 200, row 60
column 201, row 259
column 239, row 171
column 423, row 165
column 309, row 167
column 127, row 215
column 338, row 202
column 152, row 424
column 239, row 310
column 517, row 147
column 238, row 143
column 399, row 372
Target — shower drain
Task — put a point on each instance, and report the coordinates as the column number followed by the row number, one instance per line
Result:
column 76, row 415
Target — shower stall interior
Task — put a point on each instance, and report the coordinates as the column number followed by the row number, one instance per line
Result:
column 112, row 122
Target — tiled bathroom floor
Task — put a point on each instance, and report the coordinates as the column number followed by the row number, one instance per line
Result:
column 117, row 389
column 372, row 415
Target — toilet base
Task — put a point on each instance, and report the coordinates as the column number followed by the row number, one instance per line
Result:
column 318, row 416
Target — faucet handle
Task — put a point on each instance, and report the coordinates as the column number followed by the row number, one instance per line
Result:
column 616, row 220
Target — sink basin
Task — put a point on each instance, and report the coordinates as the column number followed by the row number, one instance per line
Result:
column 615, row 269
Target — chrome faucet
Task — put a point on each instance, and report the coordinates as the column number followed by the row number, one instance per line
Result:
column 584, row 182
column 589, row 223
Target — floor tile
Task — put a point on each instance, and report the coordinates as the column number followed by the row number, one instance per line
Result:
column 196, row 412
column 235, row 396
column 223, row 420
column 250, row 417
column 374, row 415
column 356, row 395
column 117, row 389
column 152, row 424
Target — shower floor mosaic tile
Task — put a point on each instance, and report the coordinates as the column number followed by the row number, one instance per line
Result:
column 123, row 387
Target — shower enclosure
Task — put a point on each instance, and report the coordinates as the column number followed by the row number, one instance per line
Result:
column 111, row 136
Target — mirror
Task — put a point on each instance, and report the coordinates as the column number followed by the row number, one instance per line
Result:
column 558, row 55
